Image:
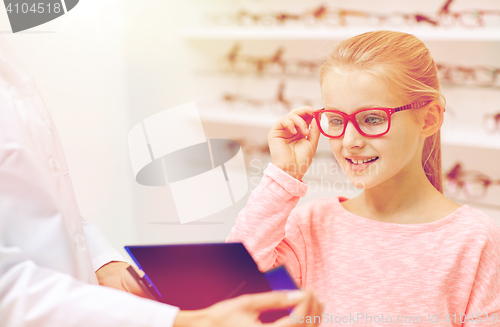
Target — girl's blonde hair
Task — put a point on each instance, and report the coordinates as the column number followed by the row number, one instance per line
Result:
column 404, row 64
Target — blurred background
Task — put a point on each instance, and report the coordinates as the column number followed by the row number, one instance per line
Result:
column 107, row 65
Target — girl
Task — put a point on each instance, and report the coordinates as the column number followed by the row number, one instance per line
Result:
column 399, row 252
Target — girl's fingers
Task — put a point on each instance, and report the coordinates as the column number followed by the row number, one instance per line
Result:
column 306, row 113
column 283, row 128
column 314, row 134
column 299, row 122
column 287, row 124
column 299, row 119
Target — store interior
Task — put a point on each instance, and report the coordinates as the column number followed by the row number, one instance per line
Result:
column 246, row 63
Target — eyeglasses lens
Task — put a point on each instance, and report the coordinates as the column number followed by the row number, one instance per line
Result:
column 331, row 123
column 451, row 185
column 470, row 19
column 485, row 76
column 491, row 123
column 463, row 75
column 475, row 188
column 371, row 122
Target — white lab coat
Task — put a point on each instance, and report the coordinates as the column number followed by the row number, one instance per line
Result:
column 48, row 253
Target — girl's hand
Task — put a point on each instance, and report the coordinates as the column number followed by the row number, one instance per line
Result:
column 292, row 143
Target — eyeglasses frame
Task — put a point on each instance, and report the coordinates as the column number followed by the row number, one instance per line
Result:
column 460, row 177
column 347, row 118
column 496, row 120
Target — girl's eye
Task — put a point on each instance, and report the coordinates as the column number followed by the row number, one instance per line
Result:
column 373, row 120
column 336, row 121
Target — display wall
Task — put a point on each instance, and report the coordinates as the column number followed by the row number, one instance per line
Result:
column 108, row 65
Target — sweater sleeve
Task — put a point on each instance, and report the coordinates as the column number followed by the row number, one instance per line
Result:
column 264, row 226
column 483, row 307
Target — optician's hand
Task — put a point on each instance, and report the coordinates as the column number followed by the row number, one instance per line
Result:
column 244, row 311
column 115, row 275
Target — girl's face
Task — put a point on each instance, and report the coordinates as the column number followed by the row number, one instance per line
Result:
column 398, row 152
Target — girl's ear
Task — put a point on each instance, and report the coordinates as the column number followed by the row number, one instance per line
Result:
column 433, row 118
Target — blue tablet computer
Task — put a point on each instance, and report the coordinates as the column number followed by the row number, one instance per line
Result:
column 195, row 276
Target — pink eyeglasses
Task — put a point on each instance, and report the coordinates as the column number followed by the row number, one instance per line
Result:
column 371, row 122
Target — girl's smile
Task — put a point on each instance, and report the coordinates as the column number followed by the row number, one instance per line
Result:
column 357, row 163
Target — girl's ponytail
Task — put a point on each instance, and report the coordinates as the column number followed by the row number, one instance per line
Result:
column 431, row 160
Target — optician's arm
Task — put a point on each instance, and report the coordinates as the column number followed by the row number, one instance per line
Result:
column 56, row 299
column 101, row 250
column 38, row 258
column 109, row 264
column 35, row 296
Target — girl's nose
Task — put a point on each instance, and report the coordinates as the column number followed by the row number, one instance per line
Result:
column 352, row 138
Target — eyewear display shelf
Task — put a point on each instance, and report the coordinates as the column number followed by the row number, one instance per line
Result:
column 324, row 33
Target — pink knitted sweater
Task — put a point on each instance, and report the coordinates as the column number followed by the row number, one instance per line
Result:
column 372, row 273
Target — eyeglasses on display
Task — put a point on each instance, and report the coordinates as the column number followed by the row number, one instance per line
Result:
column 371, row 122
column 474, row 184
column 338, row 17
column 279, row 102
column 275, row 64
column 236, row 62
column 492, row 122
column 466, row 18
column 319, row 16
column 472, row 75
